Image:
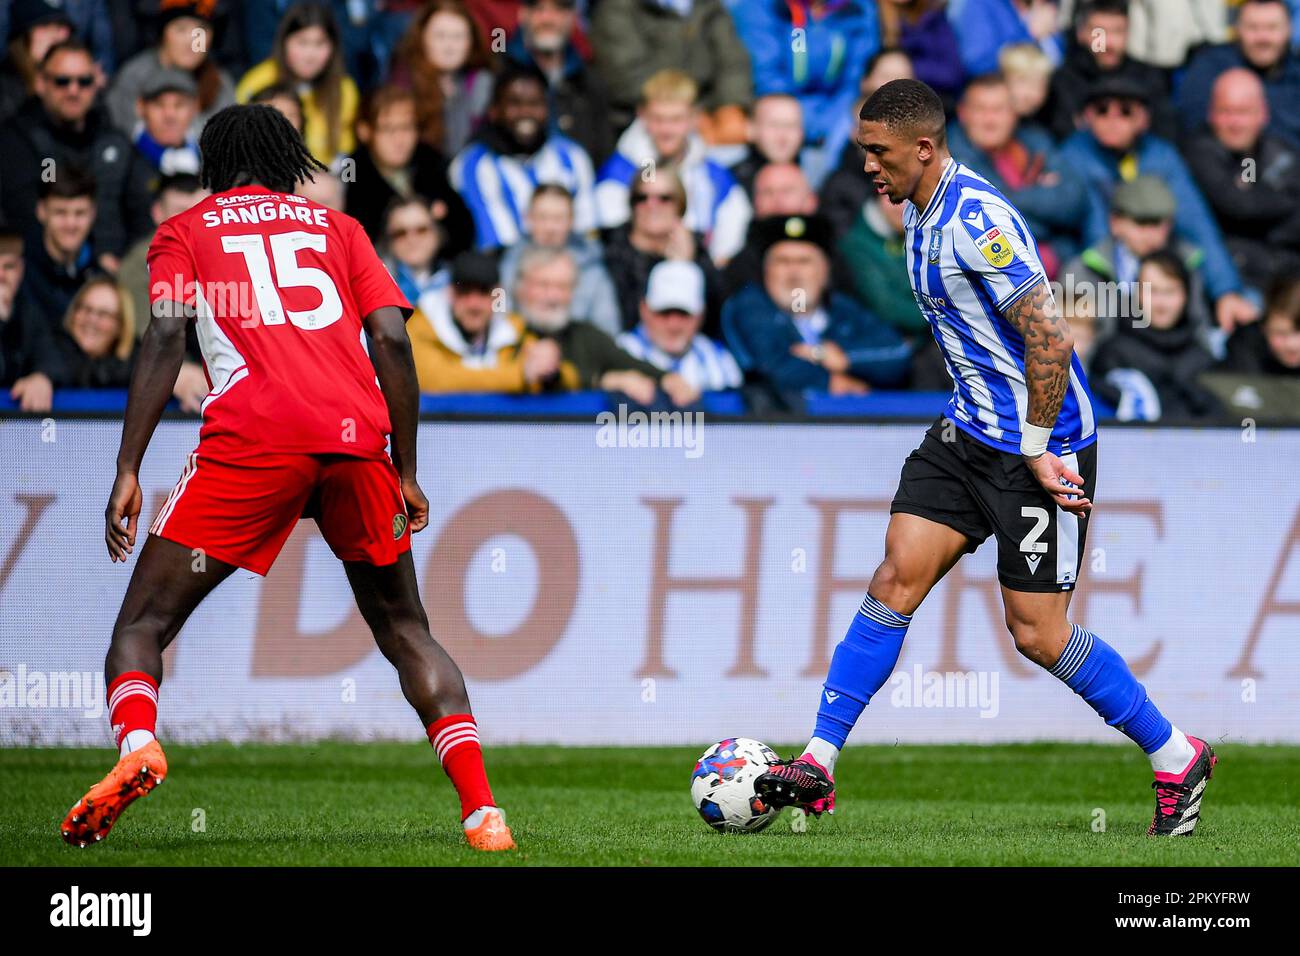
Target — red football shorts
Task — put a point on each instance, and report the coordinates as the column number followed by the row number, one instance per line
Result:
column 243, row 512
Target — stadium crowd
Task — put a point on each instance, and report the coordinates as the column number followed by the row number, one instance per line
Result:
column 662, row 198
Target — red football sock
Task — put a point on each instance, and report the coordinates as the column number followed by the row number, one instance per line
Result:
column 132, row 704
column 455, row 739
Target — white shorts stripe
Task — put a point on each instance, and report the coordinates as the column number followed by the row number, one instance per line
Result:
column 1067, row 536
column 160, row 522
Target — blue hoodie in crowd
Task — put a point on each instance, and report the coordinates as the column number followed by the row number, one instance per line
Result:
column 759, row 334
column 984, row 27
column 1193, row 220
column 823, row 70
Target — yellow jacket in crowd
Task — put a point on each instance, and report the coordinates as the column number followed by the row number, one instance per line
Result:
column 316, row 124
column 444, row 361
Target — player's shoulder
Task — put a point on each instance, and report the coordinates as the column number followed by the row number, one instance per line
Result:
column 978, row 201
column 343, row 222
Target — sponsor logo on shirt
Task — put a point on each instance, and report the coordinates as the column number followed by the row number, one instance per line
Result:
column 996, row 248
column 399, row 526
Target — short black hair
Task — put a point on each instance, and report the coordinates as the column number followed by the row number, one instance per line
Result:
column 1117, row 7
column 1168, row 262
column 11, row 242
column 178, row 183
column 985, row 81
column 512, row 73
column 907, row 106
column 69, row 182
column 253, row 143
column 70, row 45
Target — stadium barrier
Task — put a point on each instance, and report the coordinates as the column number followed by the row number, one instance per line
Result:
column 597, row 589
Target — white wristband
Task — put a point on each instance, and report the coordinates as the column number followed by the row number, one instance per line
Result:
column 1033, row 439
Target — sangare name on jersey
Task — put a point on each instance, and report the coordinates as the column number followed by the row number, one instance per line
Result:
column 279, row 286
column 265, row 207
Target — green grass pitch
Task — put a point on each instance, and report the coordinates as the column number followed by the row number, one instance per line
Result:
column 389, row 804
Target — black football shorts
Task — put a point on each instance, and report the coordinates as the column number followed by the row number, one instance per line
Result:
column 979, row 491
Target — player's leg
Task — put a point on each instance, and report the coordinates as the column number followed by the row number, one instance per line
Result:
column 168, row 583
column 1096, row 672
column 363, row 518
column 165, row 588
column 934, row 521
column 218, row 517
column 918, row 553
column 389, row 600
column 1040, row 550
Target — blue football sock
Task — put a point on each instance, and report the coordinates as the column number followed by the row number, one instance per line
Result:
column 860, row 666
column 1094, row 670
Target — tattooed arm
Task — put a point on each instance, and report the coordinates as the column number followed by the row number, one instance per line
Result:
column 1049, row 347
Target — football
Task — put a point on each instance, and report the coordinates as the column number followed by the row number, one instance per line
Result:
column 722, row 785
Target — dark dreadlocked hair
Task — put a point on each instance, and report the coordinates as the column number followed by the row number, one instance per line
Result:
column 245, row 144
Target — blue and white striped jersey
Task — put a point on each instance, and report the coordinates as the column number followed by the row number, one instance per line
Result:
column 498, row 188
column 706, row 365
column 969, row 256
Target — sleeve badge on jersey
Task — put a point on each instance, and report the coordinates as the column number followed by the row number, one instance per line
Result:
column 996, row 248
column 989, row 239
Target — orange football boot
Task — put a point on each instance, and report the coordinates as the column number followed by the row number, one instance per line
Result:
column 132, row 777
column 491, row 833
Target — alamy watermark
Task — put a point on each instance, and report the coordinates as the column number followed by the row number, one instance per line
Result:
column 53, row 690
column 950, row 689
column 639, row 429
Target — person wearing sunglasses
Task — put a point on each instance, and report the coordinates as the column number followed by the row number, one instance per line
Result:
column 34, row 27
column 658, row 231
column 61, row 128
column 1116, row 145
column 412, row 247
column 1100, row 45
column 663, row 134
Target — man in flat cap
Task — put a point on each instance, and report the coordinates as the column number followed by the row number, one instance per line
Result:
column 1141, row 222
column 167, row 107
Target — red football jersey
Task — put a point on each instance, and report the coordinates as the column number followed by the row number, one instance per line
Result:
column 280, row 285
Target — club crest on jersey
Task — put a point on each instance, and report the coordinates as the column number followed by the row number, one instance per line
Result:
column 936, row 243
column 399, row 526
